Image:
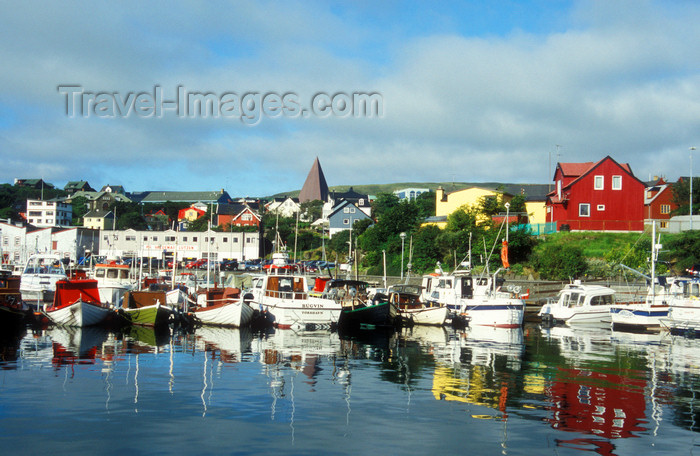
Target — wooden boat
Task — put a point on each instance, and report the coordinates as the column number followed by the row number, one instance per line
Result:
column 13, row 311
column 146, row 308
column 413, row 310
column 358, row 311
column 77, row 303
column 223, row 307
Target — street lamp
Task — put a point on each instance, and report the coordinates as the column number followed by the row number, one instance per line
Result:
column 403, row 238
column 691, row 187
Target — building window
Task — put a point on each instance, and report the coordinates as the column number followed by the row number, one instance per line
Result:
column 617, row 182
column 665, row 209
column 584, row 210
column 17, row 241
column 130, row 238
column 194, row 238
column 346, row 221
column 169, row 238
column 663, row 224
column 598, row 183
column 601, row 207
column 225, row 239
column 346, row 210
column 145, row 238
column 247, row 217
column 6, row 241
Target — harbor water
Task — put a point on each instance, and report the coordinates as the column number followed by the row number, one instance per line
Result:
column 421, row 390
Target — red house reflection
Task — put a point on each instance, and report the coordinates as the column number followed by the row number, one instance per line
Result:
column 600, row 403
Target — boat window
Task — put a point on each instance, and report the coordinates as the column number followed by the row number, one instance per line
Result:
column 445, row 283
column 99, row 273
column 573, row 299
column 604, row 300
column 123, row 274
column 695, row 289
column 112, row 273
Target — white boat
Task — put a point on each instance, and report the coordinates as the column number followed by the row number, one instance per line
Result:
column 284, row 295
column 113, row 280
column 647, row 315
column 216, row 307
column 413, row 310
column 684, row 308
column 77, row 303
column 580, row 304
column 39, row 277
column 482, row 300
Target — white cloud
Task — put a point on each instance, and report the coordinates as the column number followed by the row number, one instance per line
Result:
column 620, row 80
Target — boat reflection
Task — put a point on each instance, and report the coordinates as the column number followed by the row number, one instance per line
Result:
column 479, row 366
column 226, row 344
column 76, row 345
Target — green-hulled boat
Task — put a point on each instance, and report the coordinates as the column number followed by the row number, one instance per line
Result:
column 146, row 308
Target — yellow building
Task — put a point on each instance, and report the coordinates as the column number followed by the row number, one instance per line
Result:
column 447, row 203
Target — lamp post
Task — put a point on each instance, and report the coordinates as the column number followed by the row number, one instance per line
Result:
column 403, row 238
column 691, row 187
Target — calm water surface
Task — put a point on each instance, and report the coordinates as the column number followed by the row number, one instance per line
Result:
column 422, row 391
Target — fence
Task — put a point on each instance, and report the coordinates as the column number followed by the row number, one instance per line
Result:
column 537, row 229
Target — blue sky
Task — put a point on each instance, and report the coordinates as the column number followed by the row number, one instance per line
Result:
column 470, row 91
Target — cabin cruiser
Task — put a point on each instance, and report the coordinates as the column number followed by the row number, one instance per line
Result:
column 580, row 304
column 39, row 277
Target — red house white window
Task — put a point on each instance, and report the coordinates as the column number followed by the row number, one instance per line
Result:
column 584, row 210
column 617, row 182
column 599, row 183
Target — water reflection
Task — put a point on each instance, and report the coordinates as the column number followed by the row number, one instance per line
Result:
column 581, row 389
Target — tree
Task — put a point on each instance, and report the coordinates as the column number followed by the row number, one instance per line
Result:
column 383, row 203
column 681, row 196
column 560, row 262
column 312, row 210
column 80, row 208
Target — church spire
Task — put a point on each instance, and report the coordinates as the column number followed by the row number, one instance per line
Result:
column 315, row 186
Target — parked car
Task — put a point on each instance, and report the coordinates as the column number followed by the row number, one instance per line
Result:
column 229, row 265
column 197, row 264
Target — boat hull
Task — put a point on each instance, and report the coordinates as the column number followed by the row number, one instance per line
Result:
column 496, row 312
column 435, row 316
column 153, row 315
column 638, row 317
column 377, row 315
column 80, row 313
column 234, row 314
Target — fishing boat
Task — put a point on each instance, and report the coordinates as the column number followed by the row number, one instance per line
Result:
column 580, row 304
column 358, row 310
column 283, row 294
column 13, row 311
column 146, row 308
column 412, row 309
column 482, row 300
column 39, row 277
column 77, row 303
column 223, row 307
column 113, row 280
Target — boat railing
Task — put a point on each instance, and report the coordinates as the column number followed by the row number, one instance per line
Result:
column 284, row 294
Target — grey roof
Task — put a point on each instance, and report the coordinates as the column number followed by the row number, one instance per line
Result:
column 315, row 186
column 183, row 197
column 96, row 213
column 351, row 195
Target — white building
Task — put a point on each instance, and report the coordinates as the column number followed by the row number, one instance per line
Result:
column 49, row 213
column 18, row 242
column 189, row 245
column 410, row 193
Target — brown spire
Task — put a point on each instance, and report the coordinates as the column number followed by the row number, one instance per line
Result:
column 315, row 186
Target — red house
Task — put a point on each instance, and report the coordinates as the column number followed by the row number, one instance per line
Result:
column 601, row 196
column 237, row 214
column 658, row 203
